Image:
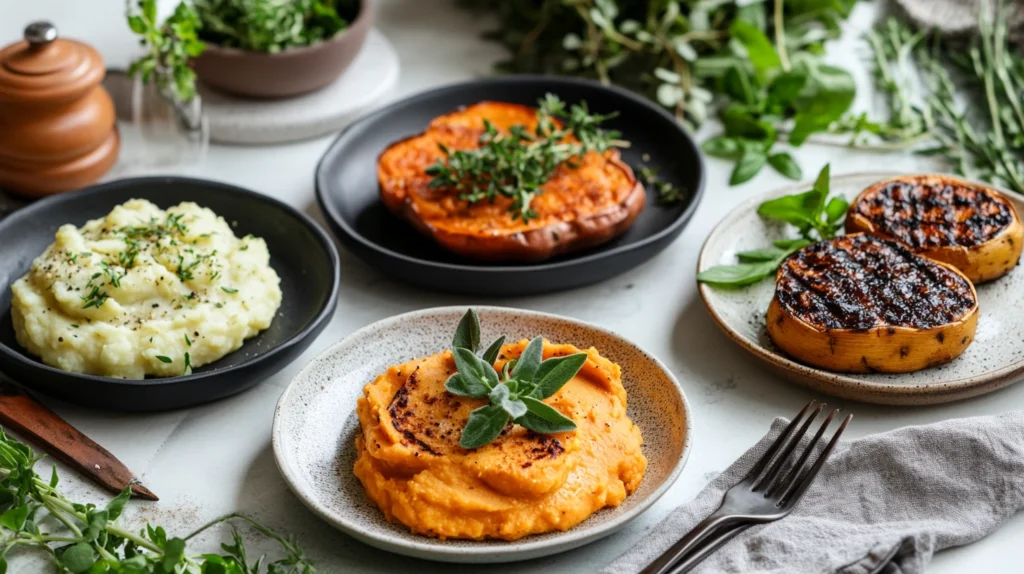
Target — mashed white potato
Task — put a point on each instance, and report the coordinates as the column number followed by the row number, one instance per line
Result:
column 145, row 291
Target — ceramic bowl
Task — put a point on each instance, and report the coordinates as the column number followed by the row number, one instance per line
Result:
column 288, row 72
column 348, row 190
column 300, row 252
column 995, row 358
column 315, row 426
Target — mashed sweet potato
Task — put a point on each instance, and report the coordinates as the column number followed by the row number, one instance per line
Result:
column 523, row 483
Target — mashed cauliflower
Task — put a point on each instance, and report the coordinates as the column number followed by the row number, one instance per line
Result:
column 145, row 291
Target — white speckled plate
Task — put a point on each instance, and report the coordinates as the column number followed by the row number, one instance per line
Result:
column 994, row 360
column 315, row 426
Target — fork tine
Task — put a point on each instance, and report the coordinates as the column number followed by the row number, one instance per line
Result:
column 797, row 489
column 776, row 468
column 767, row 456
column 798, row 468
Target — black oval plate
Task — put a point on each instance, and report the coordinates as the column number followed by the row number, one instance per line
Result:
column 300, row 251
column 347, row 189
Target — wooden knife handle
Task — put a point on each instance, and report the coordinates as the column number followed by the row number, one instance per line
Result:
column 32, row 419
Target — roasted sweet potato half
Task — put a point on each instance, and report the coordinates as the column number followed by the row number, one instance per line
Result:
column 972, row 227
column 580, row 206
column 860, row 303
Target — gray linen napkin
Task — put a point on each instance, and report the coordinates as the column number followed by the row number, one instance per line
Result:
column 898, row 496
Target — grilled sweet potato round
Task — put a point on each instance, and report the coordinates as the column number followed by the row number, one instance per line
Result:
column 969, row 226
column 860, row 303
column 580, row 206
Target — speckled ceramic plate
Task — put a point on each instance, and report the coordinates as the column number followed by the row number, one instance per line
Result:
column 994, row 360
column 315, row 426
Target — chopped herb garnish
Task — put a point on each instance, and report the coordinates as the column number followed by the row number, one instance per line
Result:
column 95, row 298
column 668, row 193
column 187, row 340
column 229, row 289
column 516, row 164
column 112, row 275
column 74, row 326
column 218, row 305
column 188, row 364
column 164, row 359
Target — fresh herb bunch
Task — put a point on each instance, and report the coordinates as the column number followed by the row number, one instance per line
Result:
column 516, row 394
column 757, row 63
column 272, row 25
column 84, row 538
column 169, row 45
column 516, row 164
column 813, row 213
column 954, row 98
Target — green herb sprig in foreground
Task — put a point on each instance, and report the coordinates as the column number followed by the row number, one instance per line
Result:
column 87, row 539
column 516, row 164
column 169, row 47
column 516, row 394
column 813, row 213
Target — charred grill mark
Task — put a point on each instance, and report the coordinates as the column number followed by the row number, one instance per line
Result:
column 402, row 416
column 926, row 214
column 860, row 282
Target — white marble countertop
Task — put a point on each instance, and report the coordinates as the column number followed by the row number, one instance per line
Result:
column 217, row 458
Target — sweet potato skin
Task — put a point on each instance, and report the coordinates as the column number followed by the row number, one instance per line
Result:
column 580, row 207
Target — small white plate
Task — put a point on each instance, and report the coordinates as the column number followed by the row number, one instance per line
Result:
column 315, row 426
column 994, row 360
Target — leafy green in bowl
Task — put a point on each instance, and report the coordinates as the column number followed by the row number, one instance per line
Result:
column 272, row 25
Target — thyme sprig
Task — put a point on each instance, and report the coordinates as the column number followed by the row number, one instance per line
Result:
column 516, row 394
column 85, row 538
column 518, row 162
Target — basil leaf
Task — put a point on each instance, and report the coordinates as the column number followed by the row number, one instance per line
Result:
column 474, row 367
column 736, row 83
column 491, row 354
column 762, row 254
column 739, row 122
column 115, row 506
column 747, row 167
column 484, row 425
column 827, row 94
column 791, row 245
column 543, row 418
column 737, row 275
column 786, row 87
column 529, row 361
column 555, row 372
column 463, row 386
column 797, row 209
column 723, row 147
column 78, row 558
column 836, row 209
column 760, row 50
column 786, row 165
column 467, row 334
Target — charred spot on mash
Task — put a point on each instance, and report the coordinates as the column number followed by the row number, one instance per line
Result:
column 402, row 415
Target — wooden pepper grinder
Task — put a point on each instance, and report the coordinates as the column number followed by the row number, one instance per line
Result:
column 57, row 124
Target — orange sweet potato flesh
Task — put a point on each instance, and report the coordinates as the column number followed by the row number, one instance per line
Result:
column 580, row 206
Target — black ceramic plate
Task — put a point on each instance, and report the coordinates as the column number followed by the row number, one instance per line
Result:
column 346, row 184
column 301, row 253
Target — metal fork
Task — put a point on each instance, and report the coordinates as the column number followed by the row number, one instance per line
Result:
column 767, row 493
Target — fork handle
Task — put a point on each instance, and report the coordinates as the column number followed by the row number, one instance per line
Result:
column 692, row 560
column 664, row 563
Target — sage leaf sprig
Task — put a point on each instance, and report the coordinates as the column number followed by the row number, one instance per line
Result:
column 516, row 394
column 88, row 539
column 517, row 163
column 816, row 216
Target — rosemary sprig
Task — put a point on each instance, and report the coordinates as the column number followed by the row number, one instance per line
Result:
column 517, row 163
column 514, row 395
column 85, row 538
